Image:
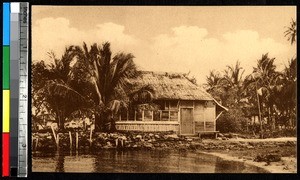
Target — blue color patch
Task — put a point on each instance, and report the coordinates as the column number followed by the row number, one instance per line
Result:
column 6, row 24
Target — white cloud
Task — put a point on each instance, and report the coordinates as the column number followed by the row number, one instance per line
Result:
column 54, row 34
column 189, row 48
column 183, row 49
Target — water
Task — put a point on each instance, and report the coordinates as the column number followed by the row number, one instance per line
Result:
column 110, row 161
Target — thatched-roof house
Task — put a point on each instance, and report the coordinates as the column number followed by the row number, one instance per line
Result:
column 174, row 103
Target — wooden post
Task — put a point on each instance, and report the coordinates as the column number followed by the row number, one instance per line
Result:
column 116, row 142
column 52, row 128
column 91, row 135
column 76, row 140
column 36, row 142
column 160, row 115
column 70, row 135
column 57, row 140
column 152, row 115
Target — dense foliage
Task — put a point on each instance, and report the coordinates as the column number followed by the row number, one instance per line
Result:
column 266, row 94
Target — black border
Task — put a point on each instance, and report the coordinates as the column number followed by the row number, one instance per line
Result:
column 189, row 176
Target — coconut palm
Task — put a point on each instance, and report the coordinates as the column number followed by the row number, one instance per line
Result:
column 286, row 95
column 261, row 86
column 109, row 77
column 291, row 32
column 61, row 96
column 234, row 74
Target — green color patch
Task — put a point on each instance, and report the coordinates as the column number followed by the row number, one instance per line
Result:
column 6, row 59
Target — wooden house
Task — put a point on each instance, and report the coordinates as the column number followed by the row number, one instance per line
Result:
column 174, row 104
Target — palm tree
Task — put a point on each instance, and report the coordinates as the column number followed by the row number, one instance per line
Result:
column 261, row 85
column 110, row 78
column 291, row 32
column 212, row 80
column 233, row 75
column 61, row 97
column 286, row 100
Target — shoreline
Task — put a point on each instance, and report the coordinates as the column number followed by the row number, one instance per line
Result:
column 273, row 167
column 234, row 149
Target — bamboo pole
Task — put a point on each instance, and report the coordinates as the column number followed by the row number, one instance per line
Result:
column 70, row 135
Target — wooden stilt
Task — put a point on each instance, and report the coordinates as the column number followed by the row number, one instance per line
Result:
column 36, row 142
column 57, row 140
column 91, row 135
column 122, row 142
column 70, row 135
column 76, row 140
column 54, row 135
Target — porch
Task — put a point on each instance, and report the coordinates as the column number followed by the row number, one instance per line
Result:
column 147, row 126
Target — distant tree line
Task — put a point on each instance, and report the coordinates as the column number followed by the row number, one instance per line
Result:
column 266, row 93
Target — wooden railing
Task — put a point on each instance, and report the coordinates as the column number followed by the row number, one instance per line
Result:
column 147, row 126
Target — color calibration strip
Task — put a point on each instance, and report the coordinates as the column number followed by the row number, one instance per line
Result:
column 23, row 91
column 15, row 89
column 6, row 91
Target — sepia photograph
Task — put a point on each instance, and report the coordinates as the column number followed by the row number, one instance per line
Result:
column 164, row 89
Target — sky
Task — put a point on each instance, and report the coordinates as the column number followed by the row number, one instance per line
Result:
column 169, row 38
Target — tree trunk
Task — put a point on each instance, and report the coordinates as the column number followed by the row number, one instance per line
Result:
column 98, row 123
column 61, row 123
column 272, row 119
column 112, row 125
column 259, row 110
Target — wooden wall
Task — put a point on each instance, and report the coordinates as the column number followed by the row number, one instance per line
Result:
column 204, row 116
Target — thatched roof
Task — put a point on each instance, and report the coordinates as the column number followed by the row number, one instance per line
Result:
column 172, row 86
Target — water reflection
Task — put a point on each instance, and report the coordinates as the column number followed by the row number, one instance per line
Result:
column 110, row 161
column 60, row 163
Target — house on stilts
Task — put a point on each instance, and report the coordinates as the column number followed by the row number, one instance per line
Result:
column 174, row 103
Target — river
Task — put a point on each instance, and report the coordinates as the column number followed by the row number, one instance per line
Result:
column 140, row 161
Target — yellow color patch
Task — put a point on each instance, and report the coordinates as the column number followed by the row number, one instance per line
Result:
column 6, row 110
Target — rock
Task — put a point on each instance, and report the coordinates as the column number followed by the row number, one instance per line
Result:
column 220, row 147
column 268, row 158
column 224, row 138
column 172, row 136
column 233, row 135
column 139, row 136
column 189, row 139
column 156, row 136
column 148, row 145
column 163, row 145
column 250, row 147
column 220, row 135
